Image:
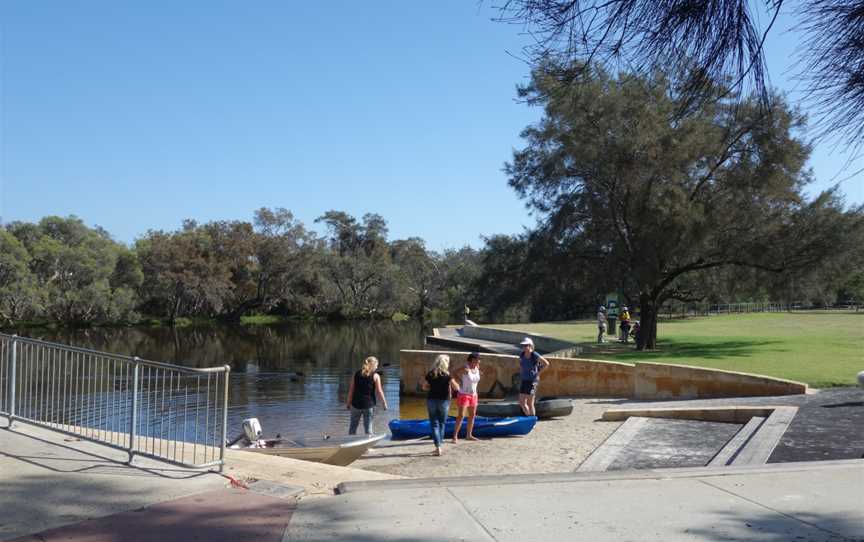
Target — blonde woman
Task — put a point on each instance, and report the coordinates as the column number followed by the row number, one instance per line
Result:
column 438, row 383
column 365, row 385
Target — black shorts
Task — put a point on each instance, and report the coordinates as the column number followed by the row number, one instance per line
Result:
column 528, row 387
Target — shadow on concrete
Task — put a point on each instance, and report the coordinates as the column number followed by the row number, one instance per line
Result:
column 609, row 401
column 779, row 527
column 216, row 516
column 111, row 466
column 842, row 405
column 321, row 513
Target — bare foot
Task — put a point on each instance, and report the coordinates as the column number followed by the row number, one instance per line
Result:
column 471, row 437
column 455, row 440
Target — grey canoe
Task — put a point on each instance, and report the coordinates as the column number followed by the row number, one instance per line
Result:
column 547, row 407
column 340, row 451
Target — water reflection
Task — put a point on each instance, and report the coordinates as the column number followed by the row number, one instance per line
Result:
column 294, row 378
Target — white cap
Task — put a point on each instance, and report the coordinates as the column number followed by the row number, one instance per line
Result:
column 527, row 341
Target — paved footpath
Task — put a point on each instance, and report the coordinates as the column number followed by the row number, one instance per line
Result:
column 82, row 492
column 58, row 488
column 792, row 501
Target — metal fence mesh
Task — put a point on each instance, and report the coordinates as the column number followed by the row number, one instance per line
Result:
column 147, row 408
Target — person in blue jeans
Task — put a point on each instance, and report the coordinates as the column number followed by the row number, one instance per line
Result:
column 365, row 385
column 439, row 384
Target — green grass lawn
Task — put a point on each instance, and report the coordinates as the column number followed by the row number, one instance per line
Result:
column 820, row 348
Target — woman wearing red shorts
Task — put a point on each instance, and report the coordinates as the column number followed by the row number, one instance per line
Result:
column 466, row 402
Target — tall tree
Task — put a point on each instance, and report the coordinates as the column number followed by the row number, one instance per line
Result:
column 183, row 274
column 419, row 276
column 359, row 267
column 73, row 266
column 639, row 194
column 18, row 293
column 284, row 255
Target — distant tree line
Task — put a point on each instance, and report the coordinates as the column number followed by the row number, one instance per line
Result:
column 62, row 271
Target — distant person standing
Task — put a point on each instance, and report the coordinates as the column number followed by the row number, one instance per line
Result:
column 365, row 386
column 438, row 383
column 601, row 324
column 624, row 317
column 530, row 365
column 636, row 332
column 611, row 317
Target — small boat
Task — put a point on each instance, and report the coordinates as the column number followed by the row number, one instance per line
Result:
column 547, row 407
column 341, row 451
column 483, row 427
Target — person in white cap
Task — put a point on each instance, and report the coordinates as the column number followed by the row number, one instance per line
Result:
column 530, row 365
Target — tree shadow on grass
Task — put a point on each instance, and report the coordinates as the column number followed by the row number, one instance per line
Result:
column 685, row 350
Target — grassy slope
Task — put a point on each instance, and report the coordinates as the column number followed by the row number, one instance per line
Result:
column 819, row 348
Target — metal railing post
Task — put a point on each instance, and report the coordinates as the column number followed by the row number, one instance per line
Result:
column 133, row 422
column 13, row 345
column 224, row 421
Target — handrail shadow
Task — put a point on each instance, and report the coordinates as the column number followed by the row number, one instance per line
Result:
column 168, row 472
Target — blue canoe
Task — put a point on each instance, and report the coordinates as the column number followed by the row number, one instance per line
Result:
column 483, row 427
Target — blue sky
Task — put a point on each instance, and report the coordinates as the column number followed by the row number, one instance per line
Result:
column 137, row 115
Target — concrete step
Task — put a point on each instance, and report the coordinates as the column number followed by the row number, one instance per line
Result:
column 576, row 477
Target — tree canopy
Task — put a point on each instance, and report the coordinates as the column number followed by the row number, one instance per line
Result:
column 721, row 40
column 645, row 198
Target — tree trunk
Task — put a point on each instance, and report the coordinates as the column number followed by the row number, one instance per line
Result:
column 175, row 308
column 647, row 339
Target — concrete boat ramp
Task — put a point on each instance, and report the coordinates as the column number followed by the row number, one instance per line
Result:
column 58, row 489
column 470, row 338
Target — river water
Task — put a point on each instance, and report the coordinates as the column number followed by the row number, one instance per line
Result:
column 293, row 377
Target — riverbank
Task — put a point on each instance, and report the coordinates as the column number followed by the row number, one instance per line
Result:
column 556, row 445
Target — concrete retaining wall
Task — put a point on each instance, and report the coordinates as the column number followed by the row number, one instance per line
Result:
column 566, row 376
column 586, row 377
column 662, row 381
column 541, row 342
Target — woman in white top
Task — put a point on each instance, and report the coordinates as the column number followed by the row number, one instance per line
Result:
column 468, row 377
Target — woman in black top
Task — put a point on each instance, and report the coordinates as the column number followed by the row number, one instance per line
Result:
column 365, row 385
column 439, row 383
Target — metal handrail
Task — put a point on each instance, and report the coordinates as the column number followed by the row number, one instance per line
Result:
column 119, row 356
column 146, row 408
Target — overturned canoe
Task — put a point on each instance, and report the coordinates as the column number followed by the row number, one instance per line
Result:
column 340, row 451
column 483, row 427
column 547, row 407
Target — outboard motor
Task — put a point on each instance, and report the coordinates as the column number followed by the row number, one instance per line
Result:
column 252, row 429
column 251, row 432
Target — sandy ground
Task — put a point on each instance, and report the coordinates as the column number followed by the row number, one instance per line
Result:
column 556, row 445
